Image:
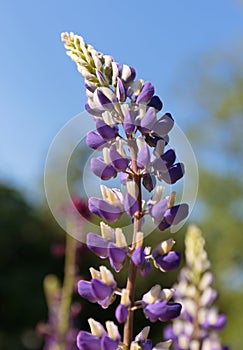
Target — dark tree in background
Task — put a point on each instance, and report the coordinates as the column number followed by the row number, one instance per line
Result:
column 25, row 258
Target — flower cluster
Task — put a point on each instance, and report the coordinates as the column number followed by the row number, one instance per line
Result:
column 133, row 140
column 200, row 321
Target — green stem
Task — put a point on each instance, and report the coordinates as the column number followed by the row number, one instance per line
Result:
column 67, row 290
column 132, row 273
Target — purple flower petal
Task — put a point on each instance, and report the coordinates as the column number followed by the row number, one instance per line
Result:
column 138, row 256
column 145, row 269
column 143, row 158
column 174, row 174
column 102, row 78
column 148, row 121
column 118, row 162
column 158, row 210
column 87, row 341
column 169, row 158
column 129, row 122
column 149, row 182
column 153, row 139
column 120, row 91
column 146, row 93
column 100, row 289
column 108, row 344
column 121, row 313
column 123, row 178
column 93, row 111
column 97, row 245
column 117, row 256
column 171, row 311
column 104, row 209
column 130, row 204
column 163, row 126
column 163, row 225
column 156, row 103
column 221, row 322
column 169, row 261
column 154, row 311
column 94, row 140
column 176, row 214
column 106, row 131
column 128, row 74
column 90, row 86
column 85, row 290
column 103, row 100
column 101, row 169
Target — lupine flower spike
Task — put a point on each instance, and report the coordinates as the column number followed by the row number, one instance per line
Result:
column 132, row 139
column 199, row 323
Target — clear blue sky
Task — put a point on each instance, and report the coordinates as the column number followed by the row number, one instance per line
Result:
column 40, row 88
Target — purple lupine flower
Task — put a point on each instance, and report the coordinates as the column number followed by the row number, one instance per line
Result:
column 99, row 339
column 106, row 131
column 157, row 305
column 94, row 140
column 164, row 258
column 174, row 216
column 105, row 210
column 122, row 309
column 158, row 210
column 110, row 244
column 85, row 290
column 108, row 84
column 128, row 74
column 87, row 341
column 117, row 160
column 149, row 182
column 129, row 121
column 121, row 313
column 138, row 256
column 117, row 256
column 139, row 259
column 121, row 91
column 164, row 125
column 123, row 178
column 101, row 287
column 104, row 97
column 101, row 169
column 195, row 293
column 130, row 204
column 174, row 173
column 156, row 103
column 165, row 161
column 146, row 93
column 169, row 261
column 92, row 110
column 143, row 157
column 110, row 207
column 148, row 120
column 97, row 244
column 163, row 311
column 168, row 171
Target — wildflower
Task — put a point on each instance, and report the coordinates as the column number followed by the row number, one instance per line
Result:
column 133, row 139
column 200, row 321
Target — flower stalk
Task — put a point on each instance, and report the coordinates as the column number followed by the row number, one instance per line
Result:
column 132, row 139
column 68, row 284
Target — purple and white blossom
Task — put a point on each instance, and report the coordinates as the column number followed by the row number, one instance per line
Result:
column 199, row 323
column 133, row 138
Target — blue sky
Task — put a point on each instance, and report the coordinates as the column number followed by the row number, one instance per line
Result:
column 40, row 87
